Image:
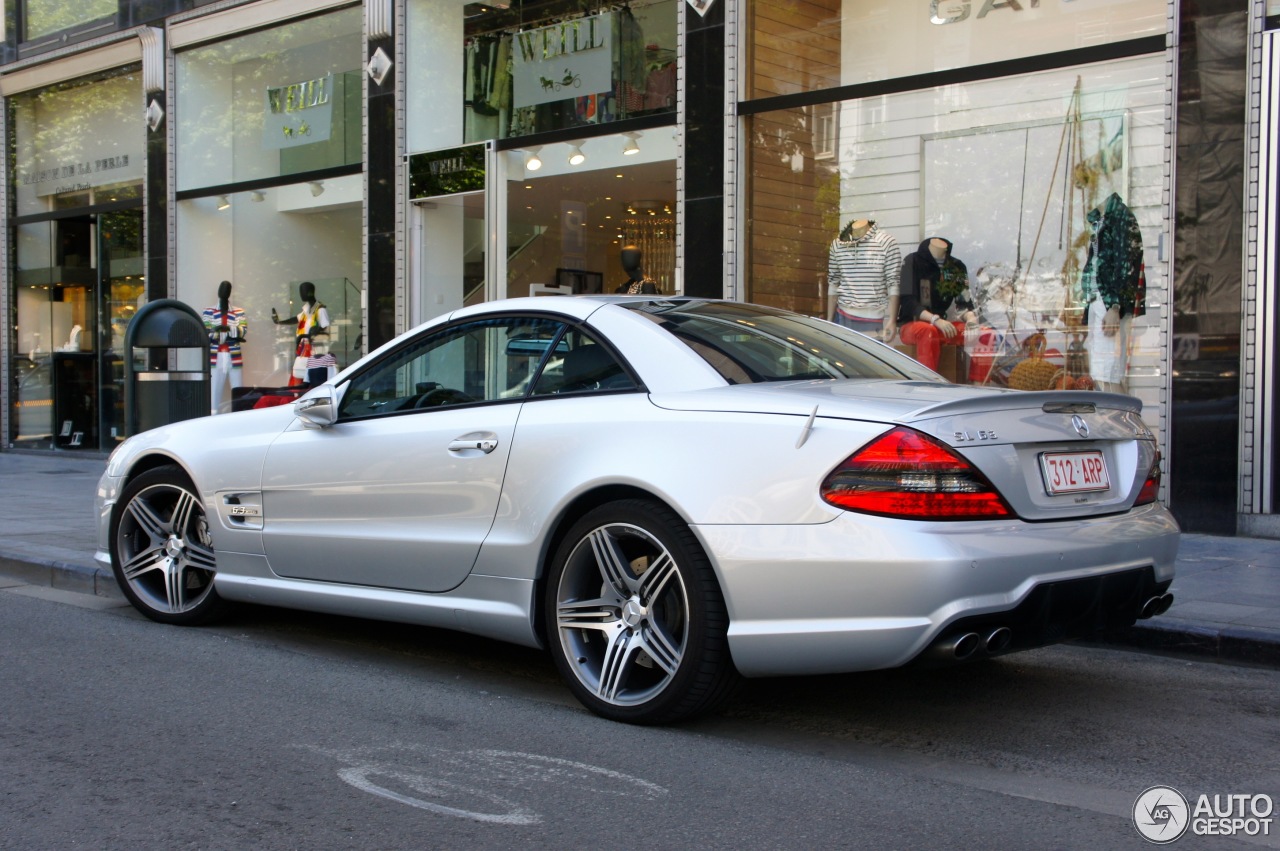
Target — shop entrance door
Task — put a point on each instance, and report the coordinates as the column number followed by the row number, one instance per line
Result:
column 451, row 255
column 78, row 281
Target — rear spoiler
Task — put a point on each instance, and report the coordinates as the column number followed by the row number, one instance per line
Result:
column 1050, row 401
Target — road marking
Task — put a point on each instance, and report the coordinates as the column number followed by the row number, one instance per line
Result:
column 434, row 774
column 359, row 778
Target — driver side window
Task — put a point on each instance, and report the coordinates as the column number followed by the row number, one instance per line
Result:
column 485, row 361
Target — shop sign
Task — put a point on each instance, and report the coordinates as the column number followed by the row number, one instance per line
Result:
column 77, row 139
column 81, row 176
column 955, row 11
column 446, row 172
column 298, row 113
column 565, row 60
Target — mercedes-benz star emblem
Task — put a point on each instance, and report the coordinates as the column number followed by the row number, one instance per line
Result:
column 1081, row 427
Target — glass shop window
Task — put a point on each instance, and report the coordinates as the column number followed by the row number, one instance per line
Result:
column 536, row 67
column 276, row 102
column 592, row 216
column 1015, row 223
column 77, row 144
column 821, row 44
column 533, row 66
column 46, row 17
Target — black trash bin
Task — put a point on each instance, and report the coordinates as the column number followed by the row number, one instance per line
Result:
column 164, row 380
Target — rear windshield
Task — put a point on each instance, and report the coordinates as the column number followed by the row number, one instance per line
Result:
column 748, row 343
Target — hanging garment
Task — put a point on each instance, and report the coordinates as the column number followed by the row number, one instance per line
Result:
column 1113, row 268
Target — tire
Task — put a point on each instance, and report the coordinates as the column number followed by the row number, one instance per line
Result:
column 161, row 551
column 635, row 618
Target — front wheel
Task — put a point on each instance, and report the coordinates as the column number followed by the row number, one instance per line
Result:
column 635, row 618
column 161, row 551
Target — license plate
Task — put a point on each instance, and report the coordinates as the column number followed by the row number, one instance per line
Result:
column 1074, row 472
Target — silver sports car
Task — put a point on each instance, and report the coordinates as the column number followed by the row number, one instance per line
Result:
column 668, row 494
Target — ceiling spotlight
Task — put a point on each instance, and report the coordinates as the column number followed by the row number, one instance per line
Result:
column 257, row 196
column 631, row 147
column 317, row 188
column 576, row 157
column 532, row 162
column 223, row 202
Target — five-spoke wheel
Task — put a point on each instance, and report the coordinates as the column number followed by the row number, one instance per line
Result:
column 635, row 616
column 161, row 551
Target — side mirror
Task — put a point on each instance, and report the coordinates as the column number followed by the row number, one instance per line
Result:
column 319, row 408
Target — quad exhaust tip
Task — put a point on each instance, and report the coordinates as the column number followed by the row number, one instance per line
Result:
column 1157, row 605
column 998, row 640
column 962, row 646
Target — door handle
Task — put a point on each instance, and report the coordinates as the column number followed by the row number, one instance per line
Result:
column 485, row 441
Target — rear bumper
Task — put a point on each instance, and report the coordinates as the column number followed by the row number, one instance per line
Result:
column 861, row 593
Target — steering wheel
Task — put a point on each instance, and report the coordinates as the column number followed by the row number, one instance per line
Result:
column 442, row 396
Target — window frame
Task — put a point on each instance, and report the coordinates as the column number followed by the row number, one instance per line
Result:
column 422, row 342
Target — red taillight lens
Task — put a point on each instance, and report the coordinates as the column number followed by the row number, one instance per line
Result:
column 904, row 473
column 1151, row 487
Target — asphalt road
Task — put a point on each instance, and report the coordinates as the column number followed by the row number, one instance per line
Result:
column 286, row 730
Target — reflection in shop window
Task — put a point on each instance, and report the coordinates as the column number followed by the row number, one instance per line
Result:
column 279, row 101
column 824, row 130
column 45, row 17
column 822, row 44
column 77, row 144
column 535, row 67
column 1030, row 207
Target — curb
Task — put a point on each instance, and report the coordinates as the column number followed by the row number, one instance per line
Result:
column 1250, row 645
column 64, row 576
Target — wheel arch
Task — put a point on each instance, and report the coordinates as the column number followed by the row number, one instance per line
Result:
column 151, row 461
column 575, row 510
column 145, row 464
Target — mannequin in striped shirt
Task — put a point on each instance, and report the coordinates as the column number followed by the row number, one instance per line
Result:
column 227, row 329
column 862, row 279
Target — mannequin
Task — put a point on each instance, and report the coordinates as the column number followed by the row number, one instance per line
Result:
column 637, row 283
column 862, row 279
column 227, row 327
column 313, row 319
column 932, row 282
column 1113, row 290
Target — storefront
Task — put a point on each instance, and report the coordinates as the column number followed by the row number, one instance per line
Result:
column 269, row 215
column 1092, row 181
column 1013, row 154
column 560, row 153
column 78, row 275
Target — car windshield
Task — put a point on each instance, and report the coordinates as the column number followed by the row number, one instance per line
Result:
column 748, row 343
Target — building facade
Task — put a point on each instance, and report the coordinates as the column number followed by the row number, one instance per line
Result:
column 1102, row 172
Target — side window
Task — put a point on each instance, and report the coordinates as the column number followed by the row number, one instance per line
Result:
column 485, row 361
column 580, row 364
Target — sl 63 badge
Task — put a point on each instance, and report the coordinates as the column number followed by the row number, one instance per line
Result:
column 979, row 434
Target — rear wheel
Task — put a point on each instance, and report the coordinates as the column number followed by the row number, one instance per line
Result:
column 635, row 617
column 161, row 551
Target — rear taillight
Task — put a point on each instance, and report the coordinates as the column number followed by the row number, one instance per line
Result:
column 1151, row 487
column 904, row 473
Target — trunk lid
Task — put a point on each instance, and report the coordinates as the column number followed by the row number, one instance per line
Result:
column 1052, row 454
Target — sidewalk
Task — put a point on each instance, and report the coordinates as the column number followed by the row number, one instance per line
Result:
column 1226, row 593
